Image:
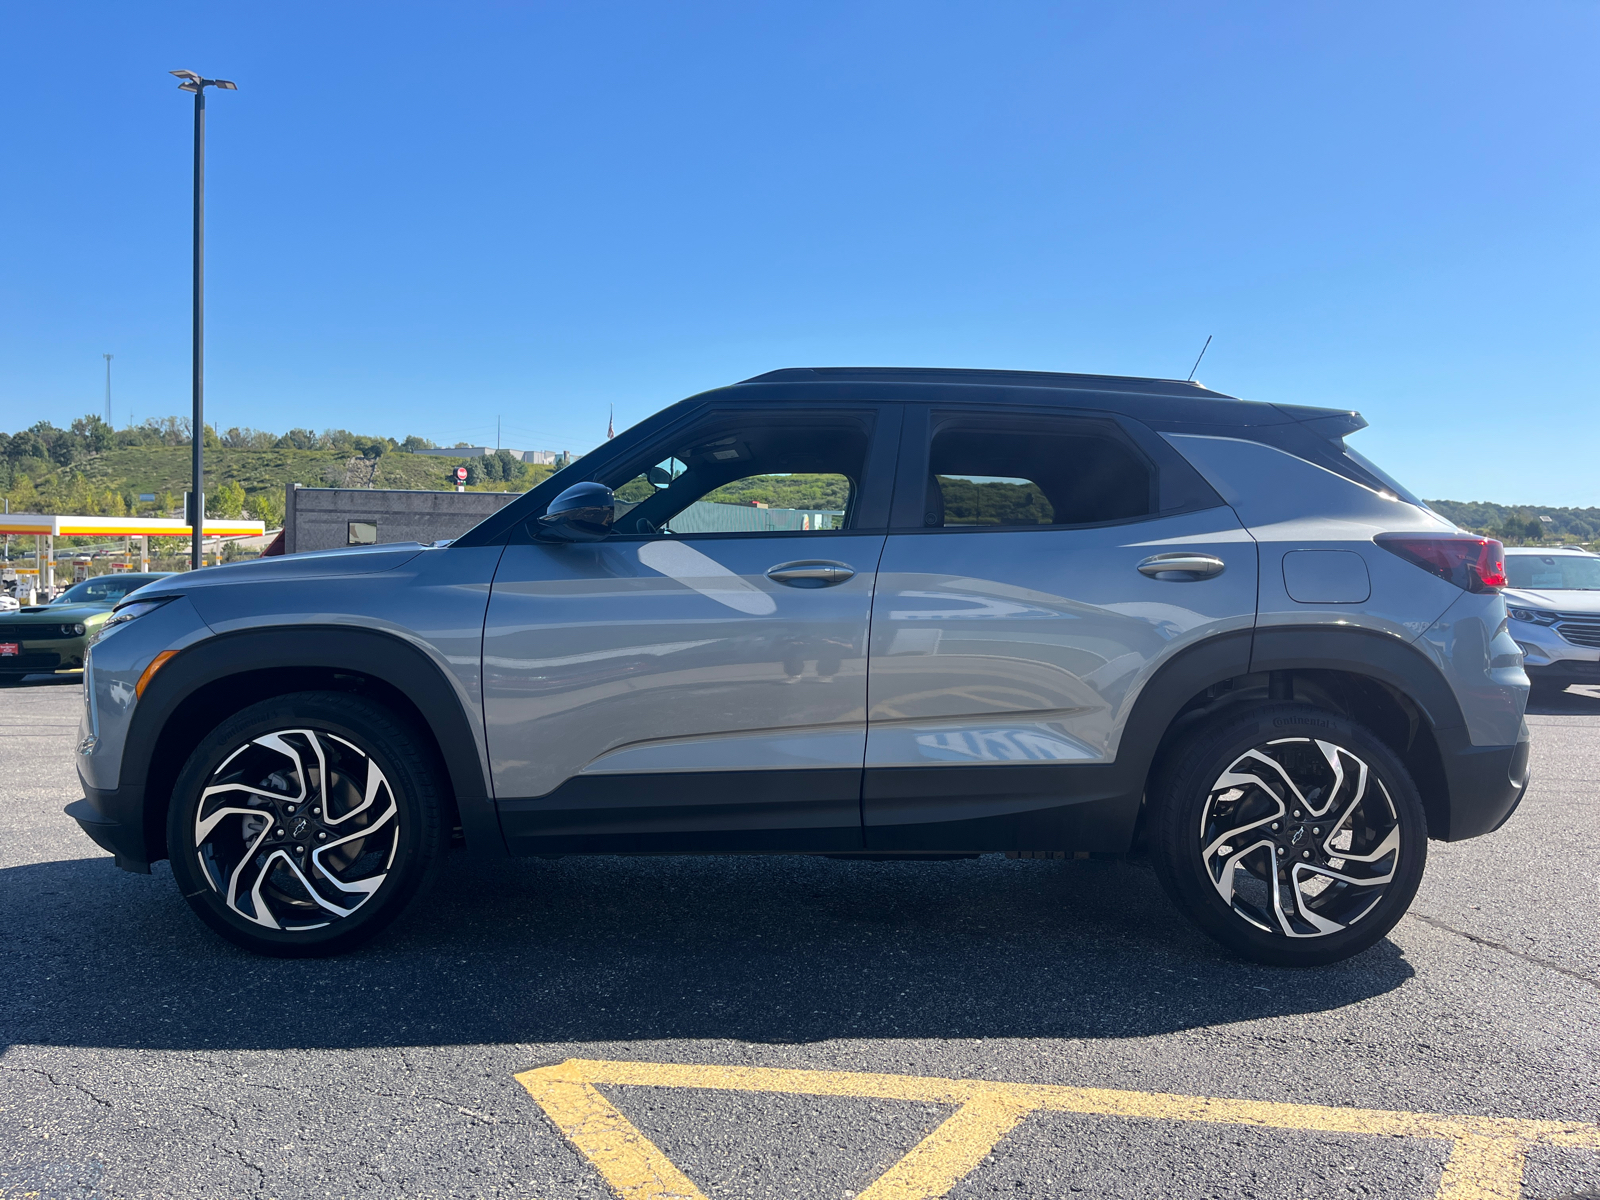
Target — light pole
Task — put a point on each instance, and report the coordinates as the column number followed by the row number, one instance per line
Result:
column 197, row 503
column 107, row 357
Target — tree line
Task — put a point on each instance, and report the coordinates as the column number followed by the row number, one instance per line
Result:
column 91, row 435
column 1522, row 524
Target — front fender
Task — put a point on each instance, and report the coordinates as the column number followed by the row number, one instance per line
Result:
column 204, row 683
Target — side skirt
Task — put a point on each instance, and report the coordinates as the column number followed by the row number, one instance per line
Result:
column 691, row 812
column 1085, row 807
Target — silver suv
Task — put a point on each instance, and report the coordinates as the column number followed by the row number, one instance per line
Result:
column 1553, row 598
column 982, row 611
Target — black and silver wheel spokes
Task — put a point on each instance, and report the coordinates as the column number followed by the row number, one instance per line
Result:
column 296, row 829
column 1299, row 837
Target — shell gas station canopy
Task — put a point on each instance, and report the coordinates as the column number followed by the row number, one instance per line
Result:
column 51, row 525
column 46, row 527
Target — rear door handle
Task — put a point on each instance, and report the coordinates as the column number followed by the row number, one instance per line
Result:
column 812, row 573
column 1182, row 567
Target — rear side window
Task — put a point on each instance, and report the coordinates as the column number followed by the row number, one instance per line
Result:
column 1029, row 474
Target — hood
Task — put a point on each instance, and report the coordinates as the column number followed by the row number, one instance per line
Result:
column 59, row 614
column 318, row 564
column 1573, row 600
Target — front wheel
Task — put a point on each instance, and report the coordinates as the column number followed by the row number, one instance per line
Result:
column 305, row 824
column 1290, row 834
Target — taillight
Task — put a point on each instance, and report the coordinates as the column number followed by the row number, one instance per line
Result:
column 1477, row 564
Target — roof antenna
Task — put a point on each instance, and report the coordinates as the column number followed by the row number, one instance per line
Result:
column 1196, row 366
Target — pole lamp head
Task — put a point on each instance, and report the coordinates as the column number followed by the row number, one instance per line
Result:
column 195, row 83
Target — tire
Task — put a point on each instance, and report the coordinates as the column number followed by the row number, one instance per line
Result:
column 1227, row 807
column 290, row 858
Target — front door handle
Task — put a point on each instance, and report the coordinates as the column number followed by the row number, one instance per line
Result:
column 812, row 573
column 1182, row 567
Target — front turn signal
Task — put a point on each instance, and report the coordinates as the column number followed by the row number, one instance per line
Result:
column 149, row 672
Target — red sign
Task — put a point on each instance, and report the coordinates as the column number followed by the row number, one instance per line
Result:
column 461, row 473
column 10, row 649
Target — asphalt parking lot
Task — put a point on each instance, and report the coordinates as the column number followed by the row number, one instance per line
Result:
column 793, row 1027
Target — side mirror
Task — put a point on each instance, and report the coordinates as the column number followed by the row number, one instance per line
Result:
column 658, row 476
column 582, row 513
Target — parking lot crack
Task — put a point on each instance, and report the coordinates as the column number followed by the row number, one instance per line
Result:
column 261, row 1175
column 54, row 1082
column 1491, row 944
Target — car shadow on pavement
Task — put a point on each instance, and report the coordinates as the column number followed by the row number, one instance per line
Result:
column 777, row 950
column 1580, row 700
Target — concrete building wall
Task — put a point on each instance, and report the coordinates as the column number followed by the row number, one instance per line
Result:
column 321, row 518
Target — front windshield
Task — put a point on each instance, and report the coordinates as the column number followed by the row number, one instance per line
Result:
column 107, row 589
column 1553, row 572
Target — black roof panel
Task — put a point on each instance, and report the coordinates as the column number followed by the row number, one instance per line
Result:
column 1036, row 379
column 1169, row 405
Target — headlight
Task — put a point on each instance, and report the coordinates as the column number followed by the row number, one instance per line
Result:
column 1535, row 616
column 72, row 631
column 129, row 612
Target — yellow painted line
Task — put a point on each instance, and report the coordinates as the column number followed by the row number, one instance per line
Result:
column 951, row 1152
column 1485, row 1162
column 630, row 1162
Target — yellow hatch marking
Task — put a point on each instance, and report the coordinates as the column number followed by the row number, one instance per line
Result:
column 1485, row 1161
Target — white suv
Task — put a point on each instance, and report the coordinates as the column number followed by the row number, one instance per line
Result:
column 1553, row 600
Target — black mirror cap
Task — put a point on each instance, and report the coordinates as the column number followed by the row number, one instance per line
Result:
column 582, row 513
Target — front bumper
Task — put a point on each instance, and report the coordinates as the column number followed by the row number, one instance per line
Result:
column 1548, row 657
column 44, row 657
column 114, row 821
column 1566, row 670
column 1485, row 784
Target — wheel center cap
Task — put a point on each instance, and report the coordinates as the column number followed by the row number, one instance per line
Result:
column 1299, row 836
column 300, row 828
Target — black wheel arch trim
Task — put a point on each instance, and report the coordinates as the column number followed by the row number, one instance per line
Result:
column 1381, row 656
column 282, row 651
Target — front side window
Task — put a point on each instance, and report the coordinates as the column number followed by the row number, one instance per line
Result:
column 1006, row 473
column 750, row 476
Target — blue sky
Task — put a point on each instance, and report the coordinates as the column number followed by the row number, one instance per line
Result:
column 425, row 217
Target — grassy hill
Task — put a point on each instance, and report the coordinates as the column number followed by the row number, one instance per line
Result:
column 111, row 483
column 166, row 469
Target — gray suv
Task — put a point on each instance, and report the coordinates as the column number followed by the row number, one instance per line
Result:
column 863, row 613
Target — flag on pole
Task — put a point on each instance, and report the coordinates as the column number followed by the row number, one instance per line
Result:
column 611, row 424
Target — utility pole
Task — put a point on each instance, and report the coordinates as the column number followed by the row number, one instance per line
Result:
column 109, row 420
column 197, row 502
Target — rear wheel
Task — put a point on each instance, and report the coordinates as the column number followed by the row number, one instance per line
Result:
column 305, row 824
column 1290, row 834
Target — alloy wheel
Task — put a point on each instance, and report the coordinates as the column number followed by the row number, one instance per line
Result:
column 1300, row 837
column 296, row 829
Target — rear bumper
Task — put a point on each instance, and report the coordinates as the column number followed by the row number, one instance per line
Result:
column 114, row 821
column 1486, row 783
